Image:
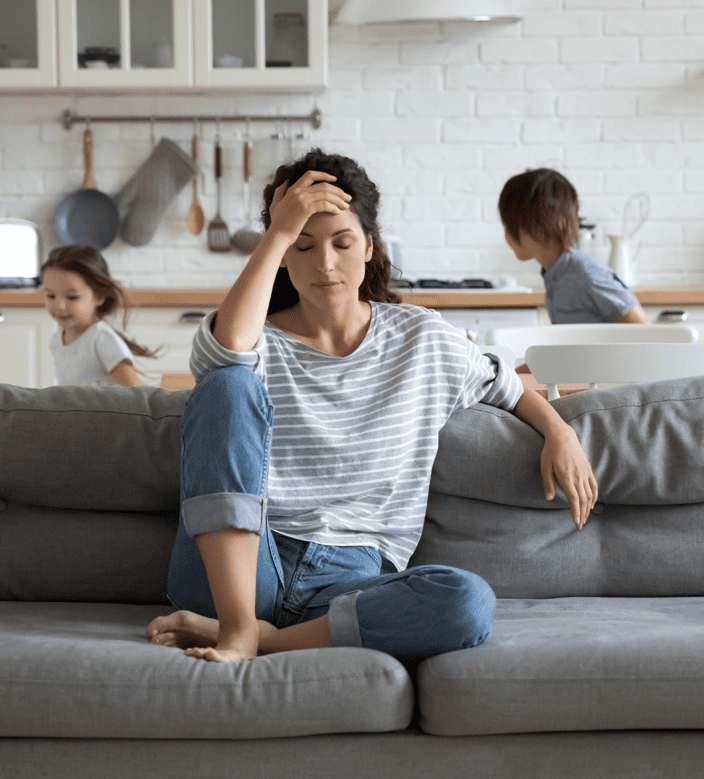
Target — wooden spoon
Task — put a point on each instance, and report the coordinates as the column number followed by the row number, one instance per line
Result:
column 89, row 181
column 196, row 217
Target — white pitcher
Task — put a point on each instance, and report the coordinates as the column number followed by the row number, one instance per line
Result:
column 622, row 260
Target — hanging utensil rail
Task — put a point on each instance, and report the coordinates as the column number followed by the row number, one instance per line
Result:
column 68, row 119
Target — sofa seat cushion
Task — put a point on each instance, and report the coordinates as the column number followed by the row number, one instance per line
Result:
column 85, row 670
column 572, row 664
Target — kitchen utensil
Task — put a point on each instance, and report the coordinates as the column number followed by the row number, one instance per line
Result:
column 218, row 234
column 247, row 237
column 196, row 217
column 20, row 253
column 87, row 217
column 635, row 212
column 145, row 198
column 622, row 259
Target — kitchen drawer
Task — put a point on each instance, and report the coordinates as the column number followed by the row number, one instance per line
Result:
column 690, row 315
column 172, row 329
column 25, row 359
column 479, row 321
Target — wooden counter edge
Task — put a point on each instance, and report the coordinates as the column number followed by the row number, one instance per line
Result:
column 211, row 298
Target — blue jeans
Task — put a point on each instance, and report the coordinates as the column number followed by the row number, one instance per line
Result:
column 414, row 614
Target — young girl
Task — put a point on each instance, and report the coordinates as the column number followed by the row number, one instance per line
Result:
column 309, row 440
column 78, row 294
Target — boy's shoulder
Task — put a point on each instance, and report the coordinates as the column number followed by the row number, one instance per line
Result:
column 579, row 265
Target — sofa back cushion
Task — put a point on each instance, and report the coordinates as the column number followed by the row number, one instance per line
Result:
column 89, row 492
column 487, row 511
column 116, row 448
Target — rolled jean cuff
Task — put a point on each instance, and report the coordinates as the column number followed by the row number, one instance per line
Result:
column 220, row 510
column 342, row 620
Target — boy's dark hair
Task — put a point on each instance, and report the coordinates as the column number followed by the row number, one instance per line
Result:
column 352, row 179
column 543, row 204
column 90, row 265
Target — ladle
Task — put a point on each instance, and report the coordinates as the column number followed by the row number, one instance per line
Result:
column 247, row 237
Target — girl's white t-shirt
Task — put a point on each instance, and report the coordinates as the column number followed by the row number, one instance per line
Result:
column 89, row 359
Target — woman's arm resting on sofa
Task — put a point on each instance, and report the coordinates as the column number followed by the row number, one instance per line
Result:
column 563, row 459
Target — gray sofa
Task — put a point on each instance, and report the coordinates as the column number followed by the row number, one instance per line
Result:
column 595, row 667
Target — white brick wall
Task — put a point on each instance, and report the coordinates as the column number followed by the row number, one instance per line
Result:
column 609, row 91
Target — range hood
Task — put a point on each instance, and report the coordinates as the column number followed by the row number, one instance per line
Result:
column 361, row 12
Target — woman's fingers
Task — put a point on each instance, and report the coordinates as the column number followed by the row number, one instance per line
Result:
column 568, row 466
column 313, row 193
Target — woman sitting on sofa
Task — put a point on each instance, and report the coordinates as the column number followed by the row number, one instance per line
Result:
column 309, row 440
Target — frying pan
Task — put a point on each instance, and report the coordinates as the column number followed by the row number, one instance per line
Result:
column 87, row 217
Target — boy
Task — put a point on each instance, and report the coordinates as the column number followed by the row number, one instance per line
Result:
column 538, row 209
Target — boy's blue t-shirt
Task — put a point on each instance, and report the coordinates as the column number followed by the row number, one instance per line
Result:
column 580, row 290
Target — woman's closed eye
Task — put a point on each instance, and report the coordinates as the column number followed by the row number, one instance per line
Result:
column 308, row 247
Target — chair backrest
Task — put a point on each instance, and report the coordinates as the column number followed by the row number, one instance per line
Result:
column 518, row 339
column 613, row 363
column 503, row 352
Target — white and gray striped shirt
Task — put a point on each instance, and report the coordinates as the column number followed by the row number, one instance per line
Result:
column 355, row 437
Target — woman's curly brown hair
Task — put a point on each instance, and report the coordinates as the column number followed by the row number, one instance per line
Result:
column 352, row 179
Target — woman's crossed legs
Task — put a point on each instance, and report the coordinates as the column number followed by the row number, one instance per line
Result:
column 280, row 594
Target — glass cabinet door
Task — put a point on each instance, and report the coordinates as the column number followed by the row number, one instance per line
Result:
column 28, row 43
column 118, row 43
column 260, row 43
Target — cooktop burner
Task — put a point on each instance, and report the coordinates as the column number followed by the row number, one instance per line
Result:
column 444, row 284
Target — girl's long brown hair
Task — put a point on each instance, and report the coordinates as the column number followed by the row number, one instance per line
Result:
column 353, row 179
column 90, row 265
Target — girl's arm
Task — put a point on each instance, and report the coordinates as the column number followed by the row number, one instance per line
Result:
column 240, row 319
column 635, row 316
column 126, row 374
column 562, row 461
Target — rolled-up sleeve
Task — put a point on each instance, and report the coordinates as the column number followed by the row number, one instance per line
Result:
column 506, row 389
column 490, row 380
column 207, row 354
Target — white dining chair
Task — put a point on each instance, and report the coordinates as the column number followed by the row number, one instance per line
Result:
column 503, row 352
column 518, row 339
column 613, row 363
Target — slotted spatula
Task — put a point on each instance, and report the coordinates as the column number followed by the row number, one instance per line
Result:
column 218, row 234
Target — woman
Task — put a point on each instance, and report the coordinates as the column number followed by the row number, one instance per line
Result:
column 309, row 440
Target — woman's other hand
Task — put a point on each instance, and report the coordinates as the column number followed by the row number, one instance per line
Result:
column 563, row 462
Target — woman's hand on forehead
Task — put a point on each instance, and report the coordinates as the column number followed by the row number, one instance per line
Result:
column 313, row 193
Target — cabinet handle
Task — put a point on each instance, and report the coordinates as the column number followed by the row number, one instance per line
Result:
column 673, row 316
column 2, row 317
column 191, row 317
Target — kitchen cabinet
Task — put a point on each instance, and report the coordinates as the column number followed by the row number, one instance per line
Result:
column 176, row 45
column 28, row 44
column 107, row 44
column 25, row 359
column 260, row 44
column 171, row 328
column 688, row 315
column 479, row 322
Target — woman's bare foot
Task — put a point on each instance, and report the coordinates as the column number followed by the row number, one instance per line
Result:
column 184, row 630
column 199, row 637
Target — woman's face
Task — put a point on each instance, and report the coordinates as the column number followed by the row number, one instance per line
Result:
column 327, row 262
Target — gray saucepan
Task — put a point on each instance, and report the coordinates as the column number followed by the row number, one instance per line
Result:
column 87, row 217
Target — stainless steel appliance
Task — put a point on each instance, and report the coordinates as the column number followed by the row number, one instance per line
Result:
column 20, row 253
